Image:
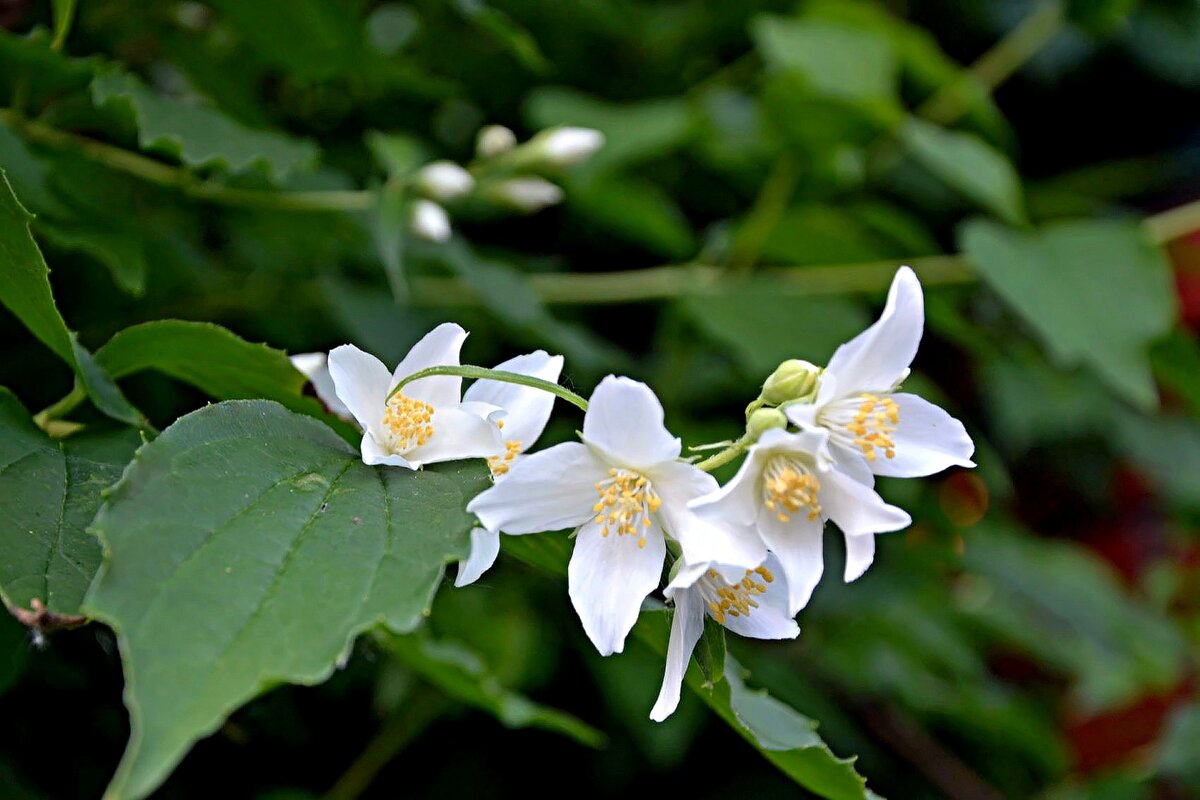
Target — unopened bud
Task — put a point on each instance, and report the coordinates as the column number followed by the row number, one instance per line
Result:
column 494, row 140
column 792, row 380
column 764, row 420
column 565, row 147
column 444, row 181
column 430, row 221
column 526, row 194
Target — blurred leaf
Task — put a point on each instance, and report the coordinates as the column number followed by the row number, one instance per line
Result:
column 1179, row 753
column 200, row 136
column 314, row 39
column 1176, row 361
column 1065, row 607
column 637, row 211
column 511, row 35
column 1100, row 16
column 762, row 326
column 1067, row 279
column 1162, row 36
column 46, row 73
column 459, row 672
column 241, row 531
column 50, row 490
column 969, row 165
column 120, row 249
column 1030, row 402
column 397, row 153
column 710, row 651
column 1167, row 449
column 64, row 15
column 836, row 60
column 633, row 132
column 25, row 291
column 389, row 228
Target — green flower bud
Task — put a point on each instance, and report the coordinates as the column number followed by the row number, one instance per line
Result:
column 792, row 380
column 764, row 419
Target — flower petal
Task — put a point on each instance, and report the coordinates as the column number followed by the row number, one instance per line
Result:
column 625, row 420
column 485, row 546
column 361, row 383
column 315, row 367
column 736, row 501
column 877, row 358
column 375, row 454
column 704, row 537
column 928, row 440
column 797, row 544
column 439, row 348
column 856, row 508
column 771, row 619
column 860, row 552
column 608, row 578
column 547, row 491
column 687, row 624
column 457, row 434
column 528, row 408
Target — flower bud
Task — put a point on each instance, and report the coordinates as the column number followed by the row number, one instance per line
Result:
column 430, row 221
column 494, row 140
column 565, row 147
column 792, row 380
column 444, row 181
column 764, row 419
column 526, row 194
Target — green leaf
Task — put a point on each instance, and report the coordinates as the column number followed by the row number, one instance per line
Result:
column 44, row 72
column 397, row 153
column 64, row 15
column 1177, row 753
column 120, row 249
column 389, row 229
column 710, row 651
column 199, row 136
column 314, row 39
column 1167, row 449
column 637, row 211
column 25, row 291
column 50, row 490
column 780, row 328
column 969, row 165
column 241, row 533
column 839, row 61
column 461, row 674
column 1067, row 280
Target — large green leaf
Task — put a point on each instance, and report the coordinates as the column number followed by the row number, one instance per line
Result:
column 1096, row 292
column 25, row 291
column 969, row 165
column 44, row 72
column 459, row 672
column 50, row 490
column 840, row 61
column 314, row 39
column 248, row 545
column 200, row 136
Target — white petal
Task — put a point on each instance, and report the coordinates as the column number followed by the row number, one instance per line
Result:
column 877, row 358
column 736, row 501
column 771, row 619
column 315, row 367
column 457, row 434
column 485, row 546
column 797, row 545
column 928, row 440
column 856, row 508
column 608, row 578
column 860, row 552
column 850, row 460
column 361, row 382
column 547, row 491
column 704, row 537
column 528, row 408
column 687, row 625
column 625, row 420
column 375, row 454
column 439, row 348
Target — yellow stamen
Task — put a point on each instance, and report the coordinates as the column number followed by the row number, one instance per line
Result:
column 500, row 465
column 409, row 421
column 736, row 600
column 626, row 501
column 874, row 423
column 789, row 487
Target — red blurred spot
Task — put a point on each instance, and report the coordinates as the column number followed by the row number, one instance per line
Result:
column 1104, row 740
column 964, row 498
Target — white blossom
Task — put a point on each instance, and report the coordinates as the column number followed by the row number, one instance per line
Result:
column 430, row 221
column 444, row 181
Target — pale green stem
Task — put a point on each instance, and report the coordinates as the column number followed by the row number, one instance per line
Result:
column 482, row 373
column 1174, row 223
column 725, row 456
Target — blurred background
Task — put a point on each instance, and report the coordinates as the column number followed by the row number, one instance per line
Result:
column 768, row 165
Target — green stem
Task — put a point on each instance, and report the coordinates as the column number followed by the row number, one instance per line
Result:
column 725, row 456
column 1174, row 223
column 62, row 407
column 764, row 215
column 468, row 371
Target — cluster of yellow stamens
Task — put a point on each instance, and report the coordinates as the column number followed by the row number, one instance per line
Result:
column 501, row 464
column 409, row 421
column 626, row 502
column 790, row 487
column 737, row 600
column 874, row 424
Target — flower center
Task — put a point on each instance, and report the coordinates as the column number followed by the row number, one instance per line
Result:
column 501, row 464
column 409, row 421
column 736, row 600
column 626, row 502
column 790, row 487
column 873, row 424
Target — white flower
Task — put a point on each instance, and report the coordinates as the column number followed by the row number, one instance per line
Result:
column 444, row 181
column 315, row 367
column 785, row 490
column 425, row 422
column 526, row 412
column 494, row 140
column 872, row 430
column 527, row 194
column 430, row 221
column 623, row 490
column 565, row 147
column 753, row 604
